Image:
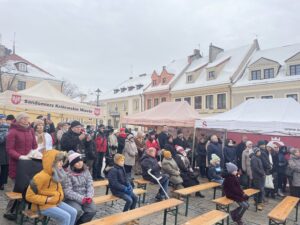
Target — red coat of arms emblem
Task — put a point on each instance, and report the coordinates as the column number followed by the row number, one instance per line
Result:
column 97, row 111
column 15, row 99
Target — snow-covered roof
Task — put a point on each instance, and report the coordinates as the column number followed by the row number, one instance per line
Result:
column 9, row 65
column 233, row 58
column 137, row 84
column 280, row 55
column 175, row 67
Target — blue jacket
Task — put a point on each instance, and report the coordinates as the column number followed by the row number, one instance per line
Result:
column 117, row 180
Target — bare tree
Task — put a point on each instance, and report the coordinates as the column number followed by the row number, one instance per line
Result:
column 70, row 89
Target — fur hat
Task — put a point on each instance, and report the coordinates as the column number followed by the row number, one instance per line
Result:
column 21, row 115
column 231, row 167
column 75, row 123
column 214, row 159
column 255, row 150
column 74, row 158
column 118, row 157
column 270, row 144
column 37, row 122
column 167, row 154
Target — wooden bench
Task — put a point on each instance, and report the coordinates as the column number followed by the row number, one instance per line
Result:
column 142, row 183
column 209, row 218
column 125, row 217
column 186, row 192
column 101, row 183
column 14, row 195
column 224, row 203
column 109, row 198
column 29, row 214
column 17, row 197
column 280, row 213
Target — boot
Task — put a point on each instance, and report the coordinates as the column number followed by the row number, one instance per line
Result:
column 198, row 194
column 260, row 207
column 280, row 193
column 233, row 215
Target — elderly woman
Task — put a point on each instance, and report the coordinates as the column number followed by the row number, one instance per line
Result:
column 294, row 164
column 141, row 146
column 130, row 151
column 43, row 139
column 246, row 165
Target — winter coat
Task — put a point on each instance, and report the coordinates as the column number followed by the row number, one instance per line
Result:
column 181, row 142
column 239, row 152
column 230, row 154
column 265, row 161
column 130, row 151
column 71, row 141
column 152, row 144
column 112, row 141
column 3, row 154
column 141, row 146
column 121, row 142
column 90, row 149
column 170, row 147
column 294, row 164
column 101, row 142
column 48, row 145
column 46, row 186
column 246, row 163
column 258, row 172
column 117, row 180
column 189, row 178
column 232, row 188
column 214, row 173
column 19, row 141
column 169, row 166
column 78, row 185
column 201, row 153
column 148, row 162
column 162, row 139
column 282, row 162
column 214, row 148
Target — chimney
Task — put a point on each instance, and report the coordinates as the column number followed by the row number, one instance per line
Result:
column 164, row 67
column 256, row 44
column 213, row 52
column 196, row 55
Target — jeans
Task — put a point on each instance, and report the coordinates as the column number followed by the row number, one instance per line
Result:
column 97, row 169
column 239, row 211
column 85, row 213
column 63, row 214
column 129, row 199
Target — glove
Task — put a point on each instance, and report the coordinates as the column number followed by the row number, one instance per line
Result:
column 24, row 157
column 84, row 201
column 88, row 200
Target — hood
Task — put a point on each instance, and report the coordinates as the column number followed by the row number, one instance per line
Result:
column 49, row 159
column 293, row 157
column 18, row 127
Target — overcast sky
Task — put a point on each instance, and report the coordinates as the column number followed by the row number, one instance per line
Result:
column 99, row 43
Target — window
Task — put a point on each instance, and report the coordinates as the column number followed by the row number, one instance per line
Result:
column 156, row 101
column 154, row 83
column 267, row 97
column 124, row 107
column 123, row 89
column 130, row 88
column 294, row 96
column 136, row 104
column 116, row 91
column 247, row 98
column 139, row 86
column 21, row 85
column 164, row 80
column 188, row 100
column 255, row 75
column 268, row 73
column 109, row 122
column 178, row 100
column 295, row 70
column 149, row 103
column 116, row 107
column 211, row 75
column 221, row 101
column 209, row 101
column 22, row 67
column 198, row 102
column 190, row 78
column 163, row 99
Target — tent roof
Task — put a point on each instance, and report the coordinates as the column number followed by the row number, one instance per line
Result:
column 269, row 116
column 175, row 114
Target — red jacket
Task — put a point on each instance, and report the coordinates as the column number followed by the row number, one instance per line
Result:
column 152, row 144
column 19, row 141
column 101, row 143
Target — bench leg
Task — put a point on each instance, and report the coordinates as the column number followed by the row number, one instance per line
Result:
column 107, row 189
column 143, row 186
column 224, row 209
column 139, row 201
column 297, row 211
column 165, row 217
column 256, row 203
column 187, row 205
column 215, row 190
column 176, row 214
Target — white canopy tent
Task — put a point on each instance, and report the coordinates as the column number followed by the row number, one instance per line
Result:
column 45, row 97
column 265, row 116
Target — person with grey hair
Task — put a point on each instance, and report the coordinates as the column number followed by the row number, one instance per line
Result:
column 246, row 165
column 294, row 165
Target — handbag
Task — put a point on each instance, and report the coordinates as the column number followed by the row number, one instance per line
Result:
column 244, row 180
column 269, row 182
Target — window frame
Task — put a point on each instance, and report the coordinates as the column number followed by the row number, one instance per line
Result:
column 149, row 103
column 189, row 78
column 155, row 102
column 212, row 102
column 211, row 75
column 196, row 104
column 297, row 67
column 256, row 74
column 177, row 99
column 221, row 105
column 289, row 94
column 267, row 75
column 21, row 85
column 188, row 100
column 266, row 97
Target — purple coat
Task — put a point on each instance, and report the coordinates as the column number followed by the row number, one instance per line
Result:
column 232, row 189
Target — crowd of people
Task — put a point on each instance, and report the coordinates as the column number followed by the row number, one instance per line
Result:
column 73, row 156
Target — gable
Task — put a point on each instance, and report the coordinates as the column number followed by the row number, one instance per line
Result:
column 295, row 57
column 263, row 62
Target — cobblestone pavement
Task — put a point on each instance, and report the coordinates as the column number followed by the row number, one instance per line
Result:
column 197, row 207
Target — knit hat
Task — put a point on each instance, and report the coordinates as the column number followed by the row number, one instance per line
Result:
column 270, row 144
column 118, row 158
column 255, row 150
column 261, row 142
column 214, row 159
column 10, row 117
column 167, row 154
column 2, row 116
column 75, row 123
column 38, row 122
column 231, row 167
column 21, row 115
column 74, row 158
column 122, row 129
column 179, row 148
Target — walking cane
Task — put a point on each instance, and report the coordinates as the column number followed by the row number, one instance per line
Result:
column 155, row 178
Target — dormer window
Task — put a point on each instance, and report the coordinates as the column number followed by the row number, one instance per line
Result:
column 139, row 86
column 123, row 89
column 164, row 80
column 268, row 73
column 211, row 75
column 295, row 70
column 22, row 67
column 130, row 88
column 116, row 91
column 154, row 83
column 255, row 75
column 189, row 79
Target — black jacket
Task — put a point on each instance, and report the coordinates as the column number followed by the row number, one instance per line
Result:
column 148, row 162
column 170, row 147
column 3, row 154
column 162, row 139
column 117, row 180
column 183, row 143
column 239, row 152
column 71, row 141
column 258, row 172
column 230, row 154
column 265, row 161
column 215, row 148
column 214, row 173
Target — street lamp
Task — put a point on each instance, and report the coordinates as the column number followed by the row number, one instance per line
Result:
column 98, row 91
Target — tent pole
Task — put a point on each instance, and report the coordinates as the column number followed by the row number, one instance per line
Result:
column 223, row 144
column 193, row 147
